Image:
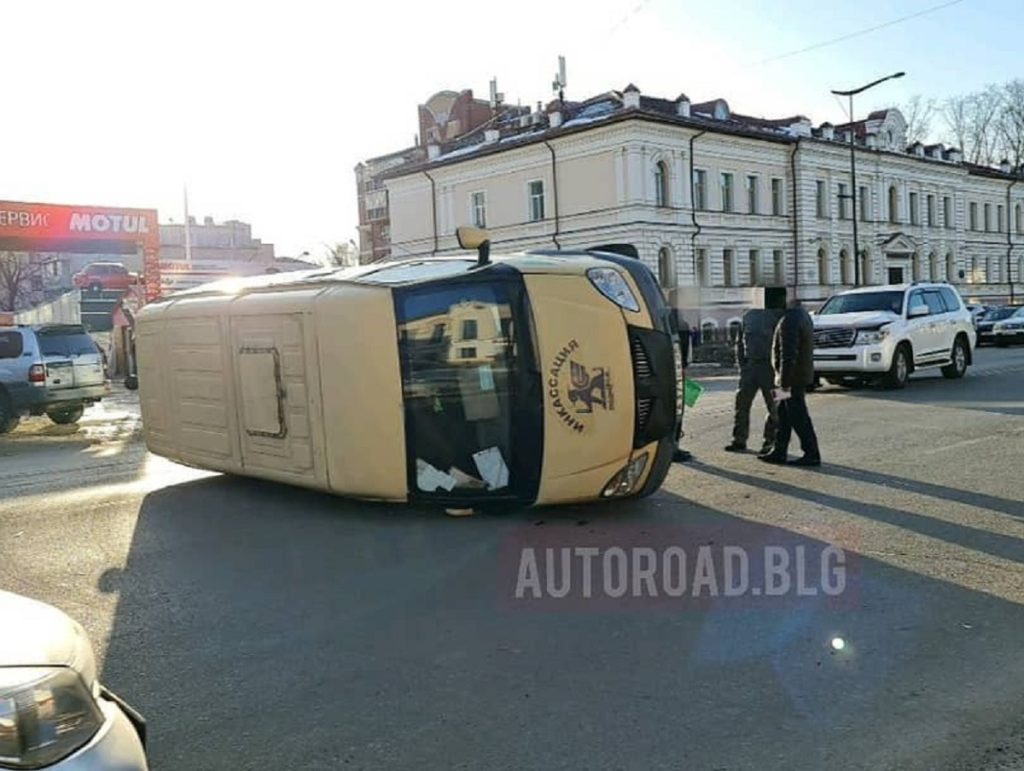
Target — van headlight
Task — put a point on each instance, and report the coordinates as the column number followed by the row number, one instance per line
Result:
column 612, row 285
column 624, row 482
column 46, row 714
column 871, row 336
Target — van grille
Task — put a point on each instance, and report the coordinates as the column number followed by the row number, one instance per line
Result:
column 641, row 361
column 834, row 337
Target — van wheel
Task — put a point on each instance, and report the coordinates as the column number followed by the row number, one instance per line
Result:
column 66, row 415
column 957, row 368
column 131, row 382
column 899, row 372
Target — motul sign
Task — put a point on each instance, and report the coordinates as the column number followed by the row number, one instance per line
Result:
column 108, row 223
column 42, row 227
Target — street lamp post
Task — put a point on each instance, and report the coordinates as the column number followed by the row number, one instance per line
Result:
column 853, row 168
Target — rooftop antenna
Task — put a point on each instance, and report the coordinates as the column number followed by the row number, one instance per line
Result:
column 559, row 83
column 496, row 96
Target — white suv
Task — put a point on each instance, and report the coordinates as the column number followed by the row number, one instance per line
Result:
column 886, row 332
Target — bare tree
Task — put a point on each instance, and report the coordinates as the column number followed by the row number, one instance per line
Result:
column 918, row 112
column 972, row 121
column 341, row 255
column 17, row 270
column 1010, row 123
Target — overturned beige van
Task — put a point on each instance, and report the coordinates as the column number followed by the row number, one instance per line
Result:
column 528, row 379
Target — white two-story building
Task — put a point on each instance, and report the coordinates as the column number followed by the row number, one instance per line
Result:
column 718, row 202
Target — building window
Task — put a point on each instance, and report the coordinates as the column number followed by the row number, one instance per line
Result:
column 819, row 198
column 728, row 268
column 975, row 274
column 754, row 264
column 999, row 218
column 894, row 204
column 726, row 191
column 842, row 197
column 478, row 205
column 846, row 267
column 947, row 212
column 777, row 207
column 779, row 267
column 660, row 184
column 467, row 353
column 915, row 212
column 972, row 218
column 536, row 200
column 865, row 202
column 988, row 217
column 752, row 203
column 666, row 268
column 700, row 268
column 824, row 274
column 930, row 207
column 469, row 330
column 700, row 187
column 950, row 267
column 1019, row 216
column 915, row 266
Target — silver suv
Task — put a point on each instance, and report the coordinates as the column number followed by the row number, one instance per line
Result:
column 51, row 369
column 886, row 332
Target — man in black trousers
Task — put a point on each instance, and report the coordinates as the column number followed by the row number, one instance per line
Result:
column 793, row 363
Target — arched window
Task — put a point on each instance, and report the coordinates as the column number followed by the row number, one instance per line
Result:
column 846, row 267
column 867, row 267
column 1020, row 268
column 824, row 274
column 666, row 268
column 894, row 204
column 950, row 267
column 916, row 260
column 707, row 331
column 1020, row 218
column 933, row 267
column 992, row 270
column 974, row 275
column 735, row 330
column 660, row 184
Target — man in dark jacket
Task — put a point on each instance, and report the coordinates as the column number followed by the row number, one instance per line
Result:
column 754, row 357
column 793, row 362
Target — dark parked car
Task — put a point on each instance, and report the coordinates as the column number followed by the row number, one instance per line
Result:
column 988, row 321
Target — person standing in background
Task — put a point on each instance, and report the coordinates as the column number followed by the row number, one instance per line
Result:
column 793, row 363
column 686, row 349
column 754, row 358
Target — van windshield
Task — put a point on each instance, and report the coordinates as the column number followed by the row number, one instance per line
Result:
column 457, row 344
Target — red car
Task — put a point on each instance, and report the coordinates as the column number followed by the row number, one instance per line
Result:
column 109, row 276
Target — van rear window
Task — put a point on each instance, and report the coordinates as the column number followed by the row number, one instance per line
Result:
column 11, row 345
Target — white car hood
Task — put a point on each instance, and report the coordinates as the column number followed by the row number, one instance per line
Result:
column 37, row 634
column 862, row 319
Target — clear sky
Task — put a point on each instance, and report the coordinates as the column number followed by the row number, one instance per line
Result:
column 265, row 108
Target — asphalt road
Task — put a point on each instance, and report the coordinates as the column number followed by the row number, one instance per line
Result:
column 259, row 626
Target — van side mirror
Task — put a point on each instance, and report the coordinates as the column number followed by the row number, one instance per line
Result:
column 475, row 238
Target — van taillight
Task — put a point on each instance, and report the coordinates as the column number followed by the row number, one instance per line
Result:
column 37, row 373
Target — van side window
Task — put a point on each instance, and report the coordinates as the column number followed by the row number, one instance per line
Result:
column 11, row 345
column 259, row 372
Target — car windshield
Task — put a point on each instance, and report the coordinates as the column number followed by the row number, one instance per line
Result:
column 457, row 345
column 858, row 302
column 996, row 314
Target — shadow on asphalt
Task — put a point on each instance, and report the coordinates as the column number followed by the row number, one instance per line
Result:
column 265, row 626
column 996, row 544
column 968, row 497
column 985, row 394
